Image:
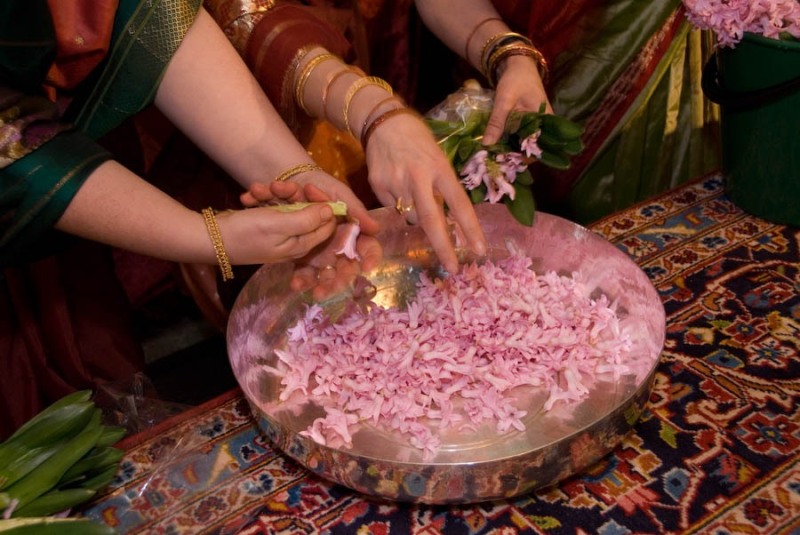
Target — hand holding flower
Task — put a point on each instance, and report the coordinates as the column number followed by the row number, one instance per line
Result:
column 498, row 172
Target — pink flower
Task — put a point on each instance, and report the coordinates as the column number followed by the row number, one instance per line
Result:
column 530, row 145
column 730, row 19
column 497, row 187
column 497, row 175
column 348, row 248
column 511, row 165
column 474, row 171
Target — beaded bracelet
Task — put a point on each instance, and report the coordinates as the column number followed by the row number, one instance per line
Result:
column 379, row 120
column 355, row 88
column 209, row 216
column 296, row 170
column 305, row 74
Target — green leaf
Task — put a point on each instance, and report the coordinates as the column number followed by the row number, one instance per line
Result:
column 476, row 123
column 561, row 127
column 523, row 207
column 442, row 129
column 477, row 195
column 466, row 148
column 554, row 160
column 573, row 147
column 547, row 139
column 450, row 146
column 531, row 123
column 525, row 178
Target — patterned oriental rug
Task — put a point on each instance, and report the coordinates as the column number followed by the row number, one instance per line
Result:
column 716, row 451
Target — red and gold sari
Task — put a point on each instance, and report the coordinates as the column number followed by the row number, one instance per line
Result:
column 272, row 36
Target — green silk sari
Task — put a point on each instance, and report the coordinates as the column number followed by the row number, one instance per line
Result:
column 45, row 156
column 667, row 134
column 629, row 71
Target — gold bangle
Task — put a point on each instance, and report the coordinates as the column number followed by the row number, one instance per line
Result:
column 354, row 88
column 296, row 170
column 498, row 40
column 487, row 46
column 372, row 111
column 305, row 74
column 507, row 51
column 216, row 241
column 474, row 31
column 379, row 120
column 328, row 84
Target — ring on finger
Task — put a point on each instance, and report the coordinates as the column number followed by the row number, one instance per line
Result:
column 402, row 208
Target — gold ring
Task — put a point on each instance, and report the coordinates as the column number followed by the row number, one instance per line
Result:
column 401, row 209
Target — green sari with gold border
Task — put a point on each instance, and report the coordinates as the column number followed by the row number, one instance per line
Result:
column 65, row 320
column 48, row 154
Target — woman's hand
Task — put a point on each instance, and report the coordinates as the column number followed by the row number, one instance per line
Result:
column 322, row 269
column 264, row 235
column 519, row 88
column 409, row 171
column 316, row 186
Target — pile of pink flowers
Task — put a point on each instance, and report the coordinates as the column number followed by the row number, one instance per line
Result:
column 463, row 354
column 731, row 19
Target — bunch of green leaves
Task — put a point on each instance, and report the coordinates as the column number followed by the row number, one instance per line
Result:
column 58, row 459
column 559, row 140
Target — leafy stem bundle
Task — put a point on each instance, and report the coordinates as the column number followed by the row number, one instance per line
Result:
column 500, row 172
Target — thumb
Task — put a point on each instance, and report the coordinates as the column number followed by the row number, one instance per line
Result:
column 495, row 126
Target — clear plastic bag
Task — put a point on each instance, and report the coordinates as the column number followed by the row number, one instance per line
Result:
column 134, row 404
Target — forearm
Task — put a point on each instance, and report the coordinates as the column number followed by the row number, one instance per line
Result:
column 455, row 31
column 209, row 93
column 116, row 207
column 340, row 93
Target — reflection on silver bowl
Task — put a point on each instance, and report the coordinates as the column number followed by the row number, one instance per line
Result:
column 475, row 466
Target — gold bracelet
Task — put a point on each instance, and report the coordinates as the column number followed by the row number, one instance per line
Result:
column 507, row 51
column 495, row 41
column 354, row 88
column 328, row 84
column 216, row 241
column 487, row 46
column 474, row 31
column 296, row 170
column 305, row 74
column 380, row 119
column 372, row 111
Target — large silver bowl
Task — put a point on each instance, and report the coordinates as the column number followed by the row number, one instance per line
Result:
column 469, row 467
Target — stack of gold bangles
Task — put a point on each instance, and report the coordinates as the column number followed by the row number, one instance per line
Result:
column 504, row 45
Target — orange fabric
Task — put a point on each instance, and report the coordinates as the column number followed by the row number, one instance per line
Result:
column 83, row 34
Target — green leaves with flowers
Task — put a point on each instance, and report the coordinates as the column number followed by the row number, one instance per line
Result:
column 502, row 172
